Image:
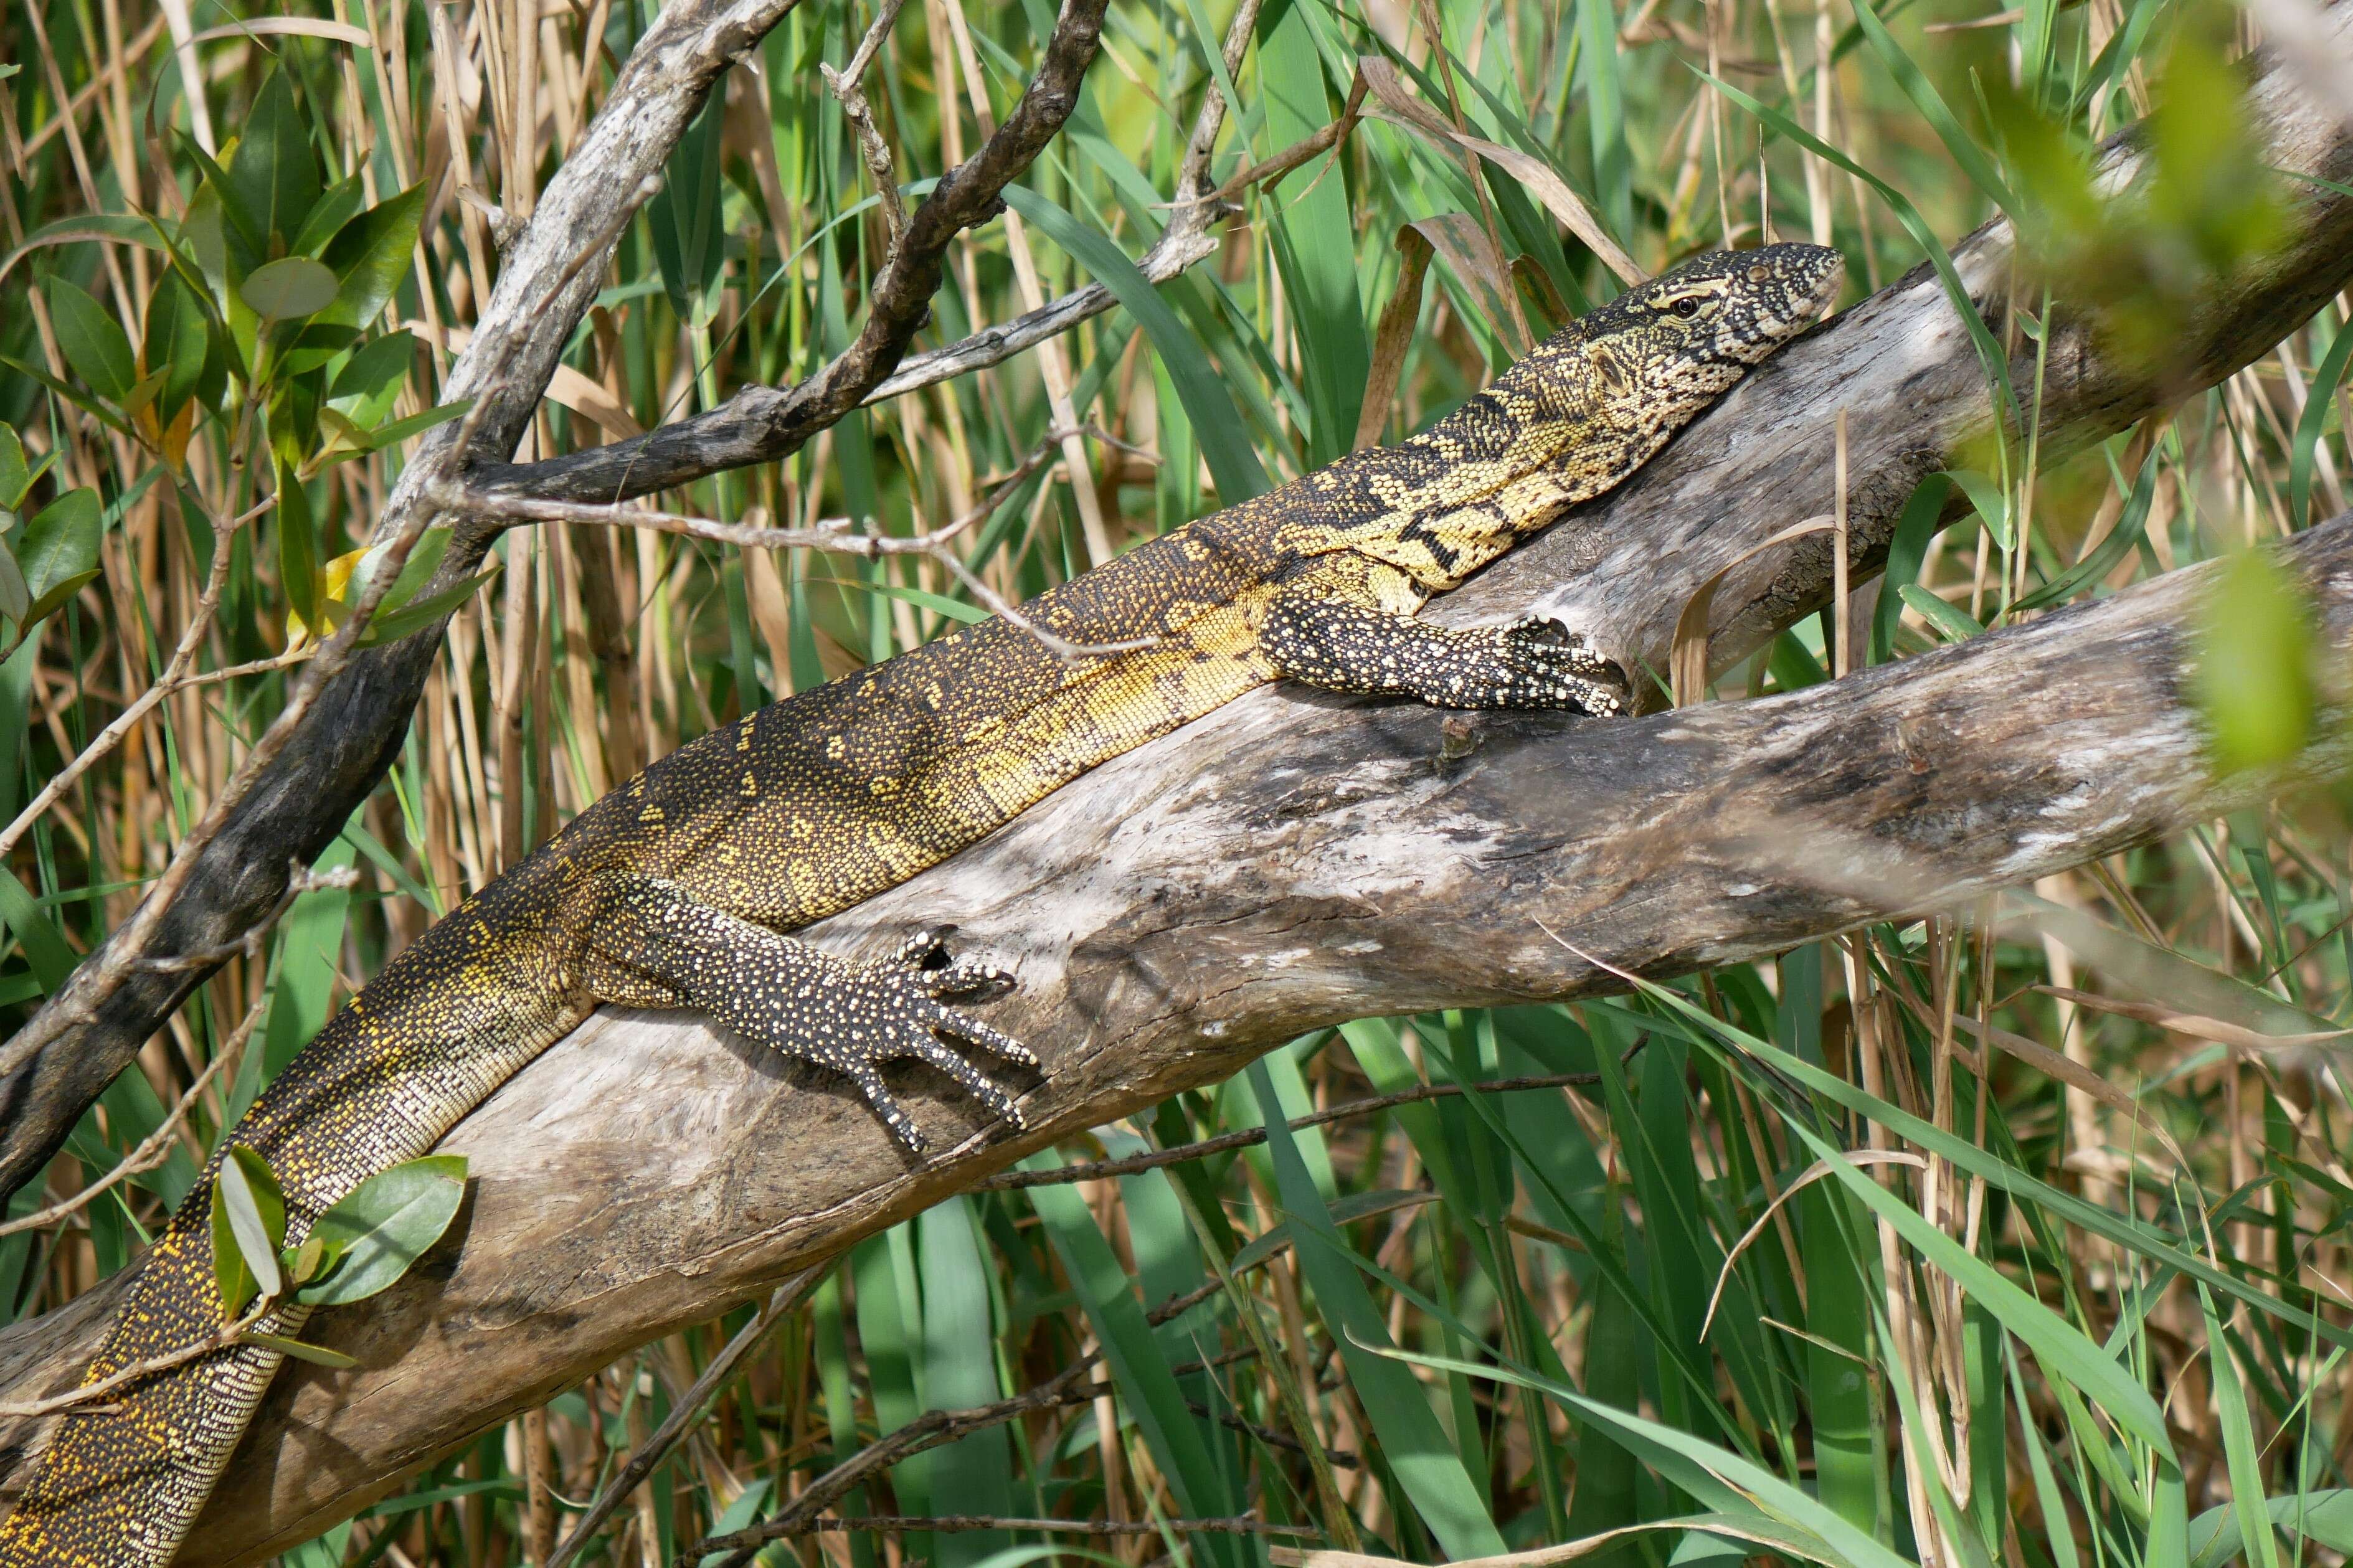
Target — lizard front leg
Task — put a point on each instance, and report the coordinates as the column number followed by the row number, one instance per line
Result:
column 1342, row 643
column 653, row 944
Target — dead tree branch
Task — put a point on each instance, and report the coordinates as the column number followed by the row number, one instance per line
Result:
column 761, row 424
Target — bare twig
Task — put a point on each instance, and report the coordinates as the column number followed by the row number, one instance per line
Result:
column 228, row 1334
column 1099, row 1169
column 248, row 945
column 125, row 954
column 156, row 1147
column 176, row 675
column 844, row 84
column 834, row 535
column 292, row 793
column 761, row 424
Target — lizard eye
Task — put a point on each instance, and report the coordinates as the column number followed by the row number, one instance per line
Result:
column 1686, row 308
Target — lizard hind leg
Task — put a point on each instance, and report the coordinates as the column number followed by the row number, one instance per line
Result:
column 1344, row 646
column 652, row 937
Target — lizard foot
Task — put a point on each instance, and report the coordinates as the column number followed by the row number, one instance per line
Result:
column 883, row 1012
column 1552, row 667
column 653, row 938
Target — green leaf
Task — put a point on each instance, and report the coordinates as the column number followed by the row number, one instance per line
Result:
column 317, row 1355
column 297, row 548
column 1955, row 624
column 1730, row 1483
column 369, row 255
column 97, row 410
column 2130, row 524
column 16, row 599
column 2326, row 376
column 400, row 430
column 392, row 625
column 229, row 239
column 2325, row 1516
column 365, row 388
column 289, row 289
column 304, row 1263
column 16, row 476
column 2253, row 679
column 939, row 604
column 1995, row 363
column 273, row 172
column 93, row 343
column 122, row 228
column 2240, row 1452
column 1932, row 107
column 58, row 550
column 247, row 1189
column 383, row 1225
column 1907, row 547
column 683, row 217
column 175, row 344
column 327, row 215
column 231, row 1277
column 1992, row 501
column 1217, row 423
column 1429, row 1468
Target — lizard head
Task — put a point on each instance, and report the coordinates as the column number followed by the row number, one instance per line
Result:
column 1680, row 341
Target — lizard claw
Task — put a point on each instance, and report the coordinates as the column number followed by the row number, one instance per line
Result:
column 946, row 978
column 1558, row 668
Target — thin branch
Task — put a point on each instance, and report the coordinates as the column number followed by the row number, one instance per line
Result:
column 1183, row 244
column 342, row 726
column 1099, row 1169
column 156, row 1147
column 248, row 945
column 834, row 535
column 228, row 1334
column 1352, row 114
column 845, row 85
column 176, row 675
column 761, row 424
column 125, row 954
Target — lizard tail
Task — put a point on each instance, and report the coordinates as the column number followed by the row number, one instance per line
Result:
column 125, row 1476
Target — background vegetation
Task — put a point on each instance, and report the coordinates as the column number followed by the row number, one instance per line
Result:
column 2045, row 1325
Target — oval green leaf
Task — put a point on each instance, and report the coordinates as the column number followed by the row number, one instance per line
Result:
column 59, row 548
column 93, row 344
column 288, row 288
column 383, row 1225
column 257, row 1215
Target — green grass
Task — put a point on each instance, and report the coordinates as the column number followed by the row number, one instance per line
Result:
column 1959, row 1313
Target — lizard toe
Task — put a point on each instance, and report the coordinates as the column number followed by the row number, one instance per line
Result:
column 997, row 1043
column 922, row 1044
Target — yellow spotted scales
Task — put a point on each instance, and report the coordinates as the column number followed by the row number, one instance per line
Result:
column 672, row 890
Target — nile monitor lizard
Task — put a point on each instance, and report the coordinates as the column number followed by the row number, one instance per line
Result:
column 672, row 892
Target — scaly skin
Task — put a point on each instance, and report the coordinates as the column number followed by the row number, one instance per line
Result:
column 672, row 892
